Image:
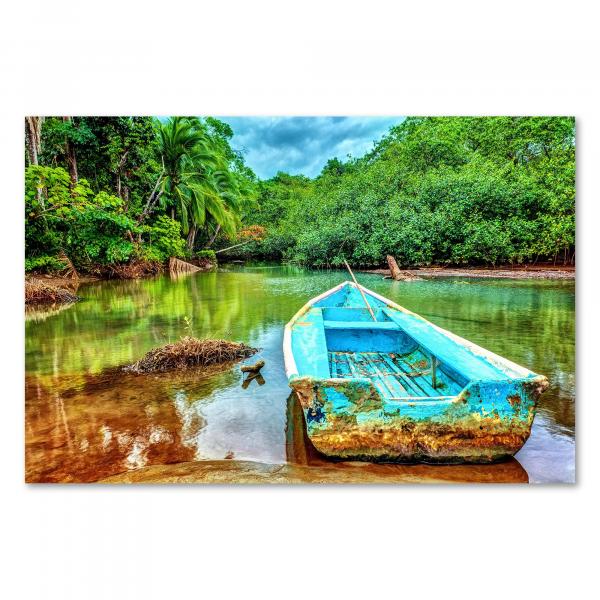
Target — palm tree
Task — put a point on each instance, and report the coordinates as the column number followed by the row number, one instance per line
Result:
column 196, row 181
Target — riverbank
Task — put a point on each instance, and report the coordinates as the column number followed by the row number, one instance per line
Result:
column 248, row 472
column 54, row 288
column 520, row 272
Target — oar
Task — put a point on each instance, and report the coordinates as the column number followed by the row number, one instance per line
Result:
column 360, row 290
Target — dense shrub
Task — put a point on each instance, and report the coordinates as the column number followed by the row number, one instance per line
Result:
column 435, row 190
column 164, row 240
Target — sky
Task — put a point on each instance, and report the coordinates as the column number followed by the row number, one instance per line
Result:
column 302, row 145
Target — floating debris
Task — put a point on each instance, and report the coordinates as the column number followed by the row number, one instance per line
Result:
column 253, row 373
column 190, row 352
column 255, row 368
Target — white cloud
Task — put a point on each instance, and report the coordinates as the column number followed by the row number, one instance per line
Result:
column 302, row 145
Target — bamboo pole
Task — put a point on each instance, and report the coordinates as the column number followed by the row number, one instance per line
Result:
column 360, row 290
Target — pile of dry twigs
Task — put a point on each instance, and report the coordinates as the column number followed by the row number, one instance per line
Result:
column 190, row 352
column 38, row 292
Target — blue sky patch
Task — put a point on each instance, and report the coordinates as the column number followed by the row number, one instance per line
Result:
column 302, row 145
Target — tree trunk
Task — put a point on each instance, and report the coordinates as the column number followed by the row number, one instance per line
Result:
column 191, row 238
column 234, row 246
column 214, row 237
column 152, row 199
column 394, row 269
column 33, row 138
column 118, row 173
column 71, row 158
column 177, row 267
column 397, row 274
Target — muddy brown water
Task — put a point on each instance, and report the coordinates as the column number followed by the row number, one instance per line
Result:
column 87, row 421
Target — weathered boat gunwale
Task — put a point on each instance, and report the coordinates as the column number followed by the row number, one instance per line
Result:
column 291, row 368
column 497, row 361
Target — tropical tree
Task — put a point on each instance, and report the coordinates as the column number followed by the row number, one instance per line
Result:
column 196, row 184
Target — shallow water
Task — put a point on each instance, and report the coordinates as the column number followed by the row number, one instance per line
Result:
column 85, row 420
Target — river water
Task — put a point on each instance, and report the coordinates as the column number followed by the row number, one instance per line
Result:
column 85, row 420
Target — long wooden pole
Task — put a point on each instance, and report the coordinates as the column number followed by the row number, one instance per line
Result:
column 360, row 290
column 234, row 246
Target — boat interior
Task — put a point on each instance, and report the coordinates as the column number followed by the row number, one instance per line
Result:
column 400, row 368
column 406, row 357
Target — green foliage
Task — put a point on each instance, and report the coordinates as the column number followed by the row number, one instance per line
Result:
column 199, row 184
column 88, row 228
column 444, row 190
column 113, row 153
column 44, row 264
column 210, row 254
column 132, row 173
column 164, row 240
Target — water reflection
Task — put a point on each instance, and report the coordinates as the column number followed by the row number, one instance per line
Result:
column 86, row 421
column 145, row 421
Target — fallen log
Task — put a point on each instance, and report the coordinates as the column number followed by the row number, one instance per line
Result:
column 178, row 267
column 252, row 377
column 396, row 273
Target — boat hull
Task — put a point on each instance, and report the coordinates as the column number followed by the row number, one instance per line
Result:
column 348, row 419
column 394, row 387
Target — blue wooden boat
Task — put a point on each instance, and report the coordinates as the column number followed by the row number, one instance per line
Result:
column 379, row 383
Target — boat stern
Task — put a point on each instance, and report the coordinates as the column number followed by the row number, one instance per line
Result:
column 348, row 419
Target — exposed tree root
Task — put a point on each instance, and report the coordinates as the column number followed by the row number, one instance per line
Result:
column 132, row 270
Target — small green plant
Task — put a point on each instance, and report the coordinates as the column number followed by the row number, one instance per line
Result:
column 210, row 254
column 165, row 239
column 189, row 326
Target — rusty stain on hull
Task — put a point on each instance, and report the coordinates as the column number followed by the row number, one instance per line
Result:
column 457, row 434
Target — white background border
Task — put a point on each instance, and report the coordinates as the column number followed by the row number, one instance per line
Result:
column 262, row 58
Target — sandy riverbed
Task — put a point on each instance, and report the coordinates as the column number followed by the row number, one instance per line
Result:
column 528, row 272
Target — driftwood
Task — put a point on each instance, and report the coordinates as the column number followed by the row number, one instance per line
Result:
column 178, row 267
column 253, row 372
column 255, row 368
column 397, row 274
